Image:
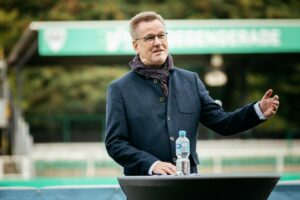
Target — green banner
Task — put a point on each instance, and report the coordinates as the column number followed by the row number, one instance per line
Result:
column 184, row 36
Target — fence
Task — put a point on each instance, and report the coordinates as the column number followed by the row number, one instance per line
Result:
column 20, row 164
column 22, row 140
column 91, row 160
column 67, row 127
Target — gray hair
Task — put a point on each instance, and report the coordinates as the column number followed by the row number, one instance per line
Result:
column 143, row 17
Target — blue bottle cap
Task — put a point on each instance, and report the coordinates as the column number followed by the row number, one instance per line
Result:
column 182, row 133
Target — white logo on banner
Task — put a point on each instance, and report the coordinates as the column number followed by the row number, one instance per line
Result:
column 114, row 39
column 118, row 40
column 55, row 38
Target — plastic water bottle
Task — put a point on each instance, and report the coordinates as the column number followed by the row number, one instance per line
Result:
column 182, row 153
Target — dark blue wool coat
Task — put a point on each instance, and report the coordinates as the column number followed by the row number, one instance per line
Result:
column 142, row 124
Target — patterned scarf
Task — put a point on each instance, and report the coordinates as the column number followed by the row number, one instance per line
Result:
column 161, row 74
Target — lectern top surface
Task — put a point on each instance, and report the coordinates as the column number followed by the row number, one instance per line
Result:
column 204, row 176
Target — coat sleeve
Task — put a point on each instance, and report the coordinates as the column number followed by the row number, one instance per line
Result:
column 224, row 123
column 117, row 139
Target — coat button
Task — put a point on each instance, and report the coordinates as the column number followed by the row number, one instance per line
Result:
column 172, row 138
column 168, row 118
column 174, row 159
column 161, row 99
column 155, row 81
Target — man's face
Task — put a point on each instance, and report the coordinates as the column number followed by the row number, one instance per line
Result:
column 152, row 43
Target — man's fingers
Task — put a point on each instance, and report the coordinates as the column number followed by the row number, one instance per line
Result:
column 268, row 104
column 171, row 166
column 168, row 170
column 275, row 98
column 268, row 94
column 162, row 172
column 276, row 103
column 173, row 169
column 164, row 168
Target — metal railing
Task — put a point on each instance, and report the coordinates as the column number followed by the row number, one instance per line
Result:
column 22, row 140
column 67, row 127
column 89, row 162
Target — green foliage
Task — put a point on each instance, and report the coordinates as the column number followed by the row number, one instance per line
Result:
column 8, row 32
column 15, row 15
column 282, row 73
column 58, row 90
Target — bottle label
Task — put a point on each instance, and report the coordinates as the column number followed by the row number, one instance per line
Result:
column 185, row 147
column 178, row 148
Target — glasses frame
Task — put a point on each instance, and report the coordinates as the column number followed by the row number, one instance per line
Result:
column 162, row 37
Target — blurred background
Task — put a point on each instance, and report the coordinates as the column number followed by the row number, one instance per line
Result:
column 58, row 57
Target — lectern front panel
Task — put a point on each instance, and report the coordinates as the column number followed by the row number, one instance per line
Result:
column 202, row 187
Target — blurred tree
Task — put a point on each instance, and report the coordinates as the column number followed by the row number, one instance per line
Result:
column 282, row 73
column 59, row 90
column 15, row 15
column 82, row 89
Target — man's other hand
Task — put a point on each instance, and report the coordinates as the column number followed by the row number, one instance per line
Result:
column 269, row 105
column 164, row 168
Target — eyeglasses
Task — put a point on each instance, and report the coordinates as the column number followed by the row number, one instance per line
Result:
column 150, row 38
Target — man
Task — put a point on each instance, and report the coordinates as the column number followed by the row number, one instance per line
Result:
column 148, row 106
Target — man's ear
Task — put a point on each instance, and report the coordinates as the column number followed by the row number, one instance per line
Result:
column 135, row 46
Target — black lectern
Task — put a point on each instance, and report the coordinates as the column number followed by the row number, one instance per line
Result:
column 202, row 187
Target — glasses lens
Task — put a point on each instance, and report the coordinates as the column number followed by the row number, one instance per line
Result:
column 150, row 38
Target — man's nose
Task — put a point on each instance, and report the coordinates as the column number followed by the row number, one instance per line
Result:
column 157, row 42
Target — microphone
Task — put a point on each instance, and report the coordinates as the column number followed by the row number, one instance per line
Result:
column 144, row 60
column 219, row 102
